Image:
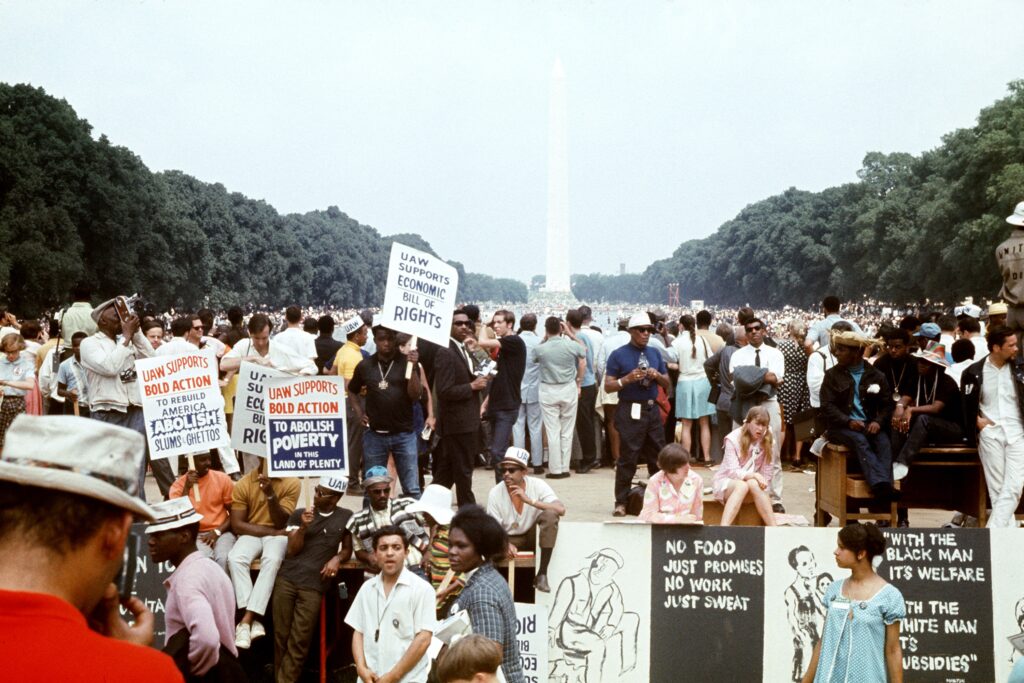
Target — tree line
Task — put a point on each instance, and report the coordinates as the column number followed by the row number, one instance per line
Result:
column 77, row 209
column 911, row 229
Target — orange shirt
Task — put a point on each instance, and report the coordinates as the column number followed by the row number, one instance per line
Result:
column 44, row 639
column 215, row 491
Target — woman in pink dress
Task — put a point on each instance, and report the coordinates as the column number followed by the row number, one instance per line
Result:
column 675, row 494
column 746, row 468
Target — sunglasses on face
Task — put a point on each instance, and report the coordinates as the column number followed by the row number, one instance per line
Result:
column 644, row 330
column 754, row 328
column 325, row 492
column 508, row 470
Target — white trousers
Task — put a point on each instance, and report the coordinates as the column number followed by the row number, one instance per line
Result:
column 530, row 418
column 1003, row 462
column 558, row 403
column 220, row 551
column 270, row 550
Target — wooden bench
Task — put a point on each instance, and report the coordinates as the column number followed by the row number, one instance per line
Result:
column 836, row 489
column 747, row 516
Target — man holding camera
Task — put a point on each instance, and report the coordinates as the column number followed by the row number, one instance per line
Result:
column 65, row 516
column 114, row 395
column 562, row 360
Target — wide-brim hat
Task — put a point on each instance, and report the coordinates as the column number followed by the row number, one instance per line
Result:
column 517, row 456
column 640, row 320
column 173, row 514
column 850, row 338
column 1018, row 215
column 98, row 311
column 78, row 455
column 998, row 308
column 935, row 353
column 436, row 501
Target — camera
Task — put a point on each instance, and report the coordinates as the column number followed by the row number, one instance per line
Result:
column 488, row 368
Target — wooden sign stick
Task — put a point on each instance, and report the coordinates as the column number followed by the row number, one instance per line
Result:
column 191, row 466
column 408, row 366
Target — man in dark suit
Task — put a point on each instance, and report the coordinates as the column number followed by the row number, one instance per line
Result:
column 458, row 398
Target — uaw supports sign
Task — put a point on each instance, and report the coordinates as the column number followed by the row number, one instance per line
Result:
column 420, row 294
column 744, row 604
column 306, row 427
column 182, row 404
column 249, row 430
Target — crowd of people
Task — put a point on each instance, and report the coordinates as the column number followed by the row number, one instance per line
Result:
column 550, row 391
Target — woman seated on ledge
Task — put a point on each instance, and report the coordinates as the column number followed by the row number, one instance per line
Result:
column 746, row 468
column 675, row 495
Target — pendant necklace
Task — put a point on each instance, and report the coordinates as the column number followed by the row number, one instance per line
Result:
column 928, row 400
column 896, row 382
column 383, row 383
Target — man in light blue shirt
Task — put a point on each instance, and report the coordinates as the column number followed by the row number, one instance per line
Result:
column 71, row 380
column 530, row 416
column 819, row 331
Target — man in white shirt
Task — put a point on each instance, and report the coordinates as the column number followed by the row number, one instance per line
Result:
column 110, row 374
column 759, row 354
column 259, row 348
column 392, row 617
column 294, row 338
column 992, row 390
column 187, row 330
column 525, row 505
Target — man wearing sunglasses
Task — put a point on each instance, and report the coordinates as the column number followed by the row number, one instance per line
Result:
column 525, row 506
column 758, row 354
column 635, row 371
column 187, row 330
column 458, row 399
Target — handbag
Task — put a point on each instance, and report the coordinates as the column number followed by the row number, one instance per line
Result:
column 808, row 425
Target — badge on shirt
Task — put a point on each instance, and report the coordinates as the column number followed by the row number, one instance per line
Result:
column 634, row 412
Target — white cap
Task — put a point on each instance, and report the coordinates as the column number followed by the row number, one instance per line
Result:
column 436, row 501
column 517, row 456
column 351, row 325
column 76, row 454
column 336, row 484
column 639, row 320
column 173, row 514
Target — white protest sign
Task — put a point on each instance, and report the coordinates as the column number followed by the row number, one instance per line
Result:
column 420, row 294
column 249, row 425
column 182, row 404
column 532, row 637
column 306, row 427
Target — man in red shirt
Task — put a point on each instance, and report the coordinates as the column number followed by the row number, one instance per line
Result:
column 65, row 514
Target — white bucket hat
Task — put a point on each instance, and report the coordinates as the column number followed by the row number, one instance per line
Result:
column 76, row 454
column 173, row 514
column 517, row 456
column 1018, row 216
column 436, row 501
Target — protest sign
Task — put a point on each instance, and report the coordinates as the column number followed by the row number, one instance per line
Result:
column 148, row 585
column 420, row 294
column 182, row 404
column 532, row 637
column 306, row 426
column 249, row 425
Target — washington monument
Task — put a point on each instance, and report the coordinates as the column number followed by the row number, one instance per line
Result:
column 557, row 279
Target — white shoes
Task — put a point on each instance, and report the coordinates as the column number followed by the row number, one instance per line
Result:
column 257, row 630
column 243, row 636
column 899, row 471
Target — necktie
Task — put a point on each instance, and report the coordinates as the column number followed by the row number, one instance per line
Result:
column 757, row 357
column 465, row 354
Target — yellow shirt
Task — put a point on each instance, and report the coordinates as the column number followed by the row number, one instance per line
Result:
column 346, row 360
column 248, row 496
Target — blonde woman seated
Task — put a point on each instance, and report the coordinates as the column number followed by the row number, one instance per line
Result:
column 746, row 468
column 676, row 493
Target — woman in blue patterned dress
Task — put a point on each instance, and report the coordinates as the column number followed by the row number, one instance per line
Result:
column 861, row 641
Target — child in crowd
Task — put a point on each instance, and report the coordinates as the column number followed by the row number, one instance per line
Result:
column 675, row 494
column 746, row 468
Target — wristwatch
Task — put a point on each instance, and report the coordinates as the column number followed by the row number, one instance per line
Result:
column 217, row 531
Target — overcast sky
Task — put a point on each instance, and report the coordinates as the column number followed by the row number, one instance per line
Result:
column 431, row 117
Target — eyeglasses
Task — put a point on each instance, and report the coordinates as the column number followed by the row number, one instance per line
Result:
column 197, row 327
column 320, row 491
column 461, row 323
column 754, row 328
column 508, row 470
column 644, row 330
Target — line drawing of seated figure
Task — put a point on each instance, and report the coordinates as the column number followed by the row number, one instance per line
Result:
column 593, row 638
